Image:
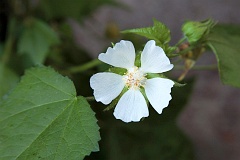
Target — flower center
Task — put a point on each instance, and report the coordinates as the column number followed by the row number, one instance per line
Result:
column 134, row 78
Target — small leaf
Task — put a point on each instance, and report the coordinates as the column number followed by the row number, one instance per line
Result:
column 155, row 75
column 43, row 119
column 177, row 84
column 36, row 40
column 224, row 42
column 118, row 70
column 137, row 62
column 158, row 32
column 8, row 79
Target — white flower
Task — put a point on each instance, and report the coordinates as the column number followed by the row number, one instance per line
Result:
column 132, row 106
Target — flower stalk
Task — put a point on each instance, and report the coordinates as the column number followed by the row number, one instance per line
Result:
column 84, row 67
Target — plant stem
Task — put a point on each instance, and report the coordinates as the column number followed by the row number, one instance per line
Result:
column 84, row 67
column 199, row 67
column 186, row 50
column 180, row 41
column 90, row 98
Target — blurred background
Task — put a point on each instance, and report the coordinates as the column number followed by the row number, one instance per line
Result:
column 203, row 119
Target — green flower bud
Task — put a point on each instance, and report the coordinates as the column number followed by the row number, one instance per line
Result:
column 196, row 31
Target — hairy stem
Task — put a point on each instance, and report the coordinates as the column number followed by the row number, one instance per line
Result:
column 84, row 67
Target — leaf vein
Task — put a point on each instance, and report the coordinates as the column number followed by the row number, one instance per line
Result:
column 51, row 85
column 22, row 111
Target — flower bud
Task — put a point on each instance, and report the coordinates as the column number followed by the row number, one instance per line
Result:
column 195, row 31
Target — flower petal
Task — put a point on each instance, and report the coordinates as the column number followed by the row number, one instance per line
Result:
column 154, row 60
column 158, row 92
column 106, row 86
column 131, row 107
column 121, row 55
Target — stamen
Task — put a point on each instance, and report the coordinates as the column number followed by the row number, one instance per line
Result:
column 134, row 78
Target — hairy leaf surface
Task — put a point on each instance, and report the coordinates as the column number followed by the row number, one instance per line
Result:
column 43, row 119
column 8, row 79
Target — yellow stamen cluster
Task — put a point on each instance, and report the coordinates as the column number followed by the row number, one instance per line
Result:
column 134, row 78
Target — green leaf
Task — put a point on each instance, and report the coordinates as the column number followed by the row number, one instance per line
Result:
column 224, row 42
column 177, row 84
column 43, row 119
column 8, row 79
column 36, row 39
column 158, row 32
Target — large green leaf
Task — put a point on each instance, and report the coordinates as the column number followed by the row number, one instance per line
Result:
column 43, row 119
column 224, row 41
column 8, row 79
column 36, row 40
